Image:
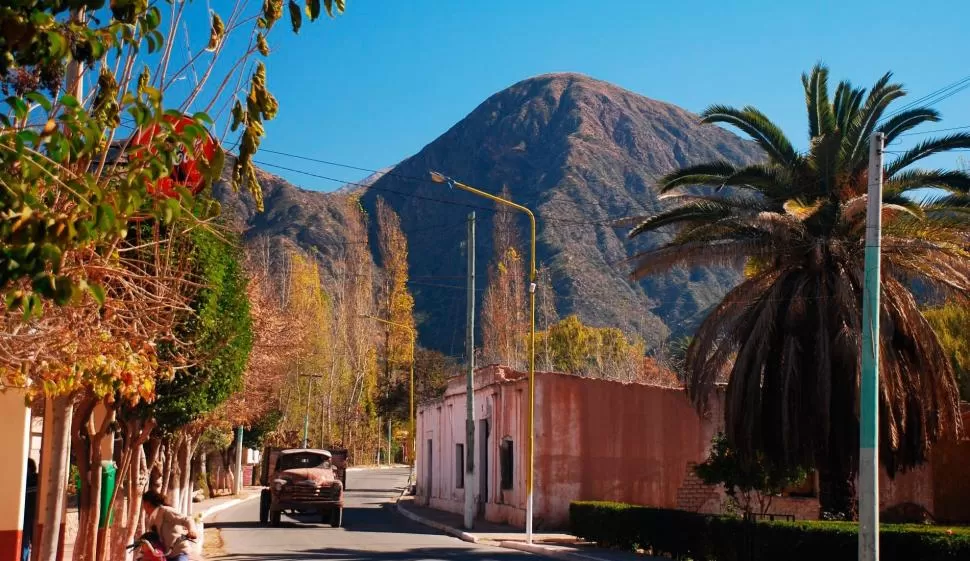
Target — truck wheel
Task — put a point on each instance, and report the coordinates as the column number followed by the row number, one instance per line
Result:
column 264, row 500
column 274, row 518
column 337, row 517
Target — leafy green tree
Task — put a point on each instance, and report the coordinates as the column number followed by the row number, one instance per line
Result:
column 219, row 330
column 600, row 352
column 951, row 322
column 747, row 481
column 790, row 331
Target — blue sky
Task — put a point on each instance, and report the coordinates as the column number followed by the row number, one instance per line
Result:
column 378, row 83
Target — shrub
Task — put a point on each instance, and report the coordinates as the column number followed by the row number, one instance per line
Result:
column 701, row 537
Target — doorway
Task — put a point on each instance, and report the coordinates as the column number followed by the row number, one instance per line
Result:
column 483, row 473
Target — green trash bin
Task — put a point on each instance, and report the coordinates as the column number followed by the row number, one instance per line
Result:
column 108, row 473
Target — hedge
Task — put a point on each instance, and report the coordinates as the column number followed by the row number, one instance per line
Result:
column 700, row 537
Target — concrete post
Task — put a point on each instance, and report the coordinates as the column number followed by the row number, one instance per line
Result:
column 15, row 444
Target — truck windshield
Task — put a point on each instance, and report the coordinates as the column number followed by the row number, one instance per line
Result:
column 301, row 461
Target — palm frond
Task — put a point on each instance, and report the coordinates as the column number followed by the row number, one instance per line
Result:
column 907, row 120
column 774, row 182
column 724, row 252
column 756, row 125
column 712, row 174
column 949, row 180
column 928, row 148
column 707, row 211
column 954, row 201
column 847, row 103
column 856, row 142
column 821, row 119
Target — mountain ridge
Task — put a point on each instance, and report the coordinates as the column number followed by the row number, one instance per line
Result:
column 580, row 152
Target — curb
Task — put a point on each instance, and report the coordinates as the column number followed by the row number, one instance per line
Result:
column 363, row 468
column 460, row 534
column 534, row 549
column 224, row 506
column 548, row 551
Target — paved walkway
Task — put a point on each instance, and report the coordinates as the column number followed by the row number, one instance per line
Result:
column 560, row 545
column 203, row 508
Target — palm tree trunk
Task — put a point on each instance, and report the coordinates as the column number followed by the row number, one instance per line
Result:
column 836, row 492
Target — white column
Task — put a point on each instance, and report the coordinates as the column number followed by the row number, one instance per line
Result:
column 15, row 447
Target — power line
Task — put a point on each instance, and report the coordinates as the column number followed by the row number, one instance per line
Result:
column 933, row 97
column 609, row 223
column 934, row 131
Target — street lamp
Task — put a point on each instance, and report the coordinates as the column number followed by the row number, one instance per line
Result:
column 440, row 178
column 414, row 336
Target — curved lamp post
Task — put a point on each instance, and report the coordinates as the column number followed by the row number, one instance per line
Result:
column 440, row 178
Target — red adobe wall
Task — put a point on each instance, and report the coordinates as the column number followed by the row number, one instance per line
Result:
column 603, row 440
column 951, row 478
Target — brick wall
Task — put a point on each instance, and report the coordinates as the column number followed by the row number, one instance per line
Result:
column 694, row 495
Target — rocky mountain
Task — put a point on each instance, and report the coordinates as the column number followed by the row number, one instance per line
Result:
column 312, row 220
column 579, row 152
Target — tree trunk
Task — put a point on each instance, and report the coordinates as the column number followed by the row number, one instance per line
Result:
column 836, row 493
column 63, row 412
column 88, row 460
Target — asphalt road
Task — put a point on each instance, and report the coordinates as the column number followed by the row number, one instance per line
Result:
column 372, row 529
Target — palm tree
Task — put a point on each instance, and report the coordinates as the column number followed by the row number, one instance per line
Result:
column 789, row 333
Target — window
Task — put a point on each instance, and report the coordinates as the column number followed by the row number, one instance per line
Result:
column 302, row 460
column 505, row 462
column 460, row 466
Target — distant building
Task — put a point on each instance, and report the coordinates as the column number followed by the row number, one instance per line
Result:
column 604, row 440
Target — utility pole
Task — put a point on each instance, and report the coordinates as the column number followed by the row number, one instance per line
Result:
column 306, row 416
column 388, row 440
column 869, row 400
column 470, row 385
column 239, row 458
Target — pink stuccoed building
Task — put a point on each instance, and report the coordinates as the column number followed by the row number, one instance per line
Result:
column 606, row 440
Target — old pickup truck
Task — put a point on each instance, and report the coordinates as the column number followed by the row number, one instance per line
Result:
column 303, row 480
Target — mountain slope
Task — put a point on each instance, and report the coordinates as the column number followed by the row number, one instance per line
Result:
column 580, row 152
column 311, row 220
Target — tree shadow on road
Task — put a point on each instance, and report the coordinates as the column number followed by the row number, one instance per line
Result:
column 345, row 554
column 383, row 519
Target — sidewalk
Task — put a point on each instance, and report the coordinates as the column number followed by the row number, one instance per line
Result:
column 558, row 545
column 204, row 509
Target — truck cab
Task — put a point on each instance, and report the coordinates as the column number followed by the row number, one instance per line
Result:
column 303, row 480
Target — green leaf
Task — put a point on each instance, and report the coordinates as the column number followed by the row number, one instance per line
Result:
column 202, row 117
column 40, row 18
column 58, row 45
column 65, row 291
column 152, row 19
column 296, row 17
column 19, row 107
column 40, row 99
column 28, row 136
column 68, row 100
column 172, row 209
column 97, row 292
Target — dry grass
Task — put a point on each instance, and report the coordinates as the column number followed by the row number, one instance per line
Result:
column 212, row 545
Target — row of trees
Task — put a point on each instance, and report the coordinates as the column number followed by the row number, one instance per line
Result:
column 128, row 316
column 562, row 345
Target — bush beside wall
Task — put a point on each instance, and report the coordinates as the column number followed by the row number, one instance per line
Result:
column 701, row 537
